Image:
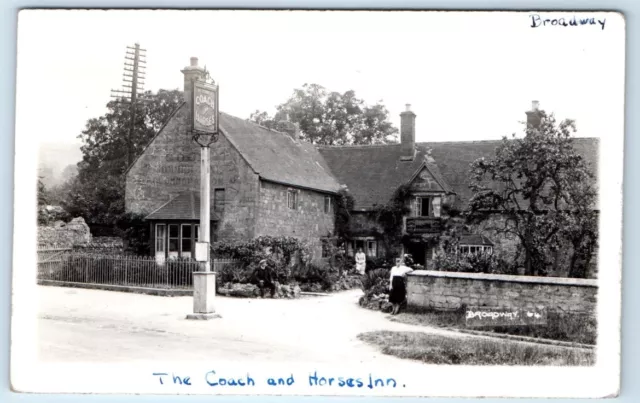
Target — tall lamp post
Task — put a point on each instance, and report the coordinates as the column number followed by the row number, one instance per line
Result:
column 204, row 130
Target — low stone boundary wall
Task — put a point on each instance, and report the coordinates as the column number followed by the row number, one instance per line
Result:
column 452, row 290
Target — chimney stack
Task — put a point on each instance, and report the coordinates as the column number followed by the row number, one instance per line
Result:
column 534, row 116
column 191, row 73
column 407, row 134
column 284, row 125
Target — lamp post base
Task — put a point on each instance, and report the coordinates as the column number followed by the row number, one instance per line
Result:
column 203, row 316
column 204, row 292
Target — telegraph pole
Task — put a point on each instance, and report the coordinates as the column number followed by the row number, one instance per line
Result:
column 133, row 82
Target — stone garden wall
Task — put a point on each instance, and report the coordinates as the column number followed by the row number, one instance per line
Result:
column 75, row 232
column 450, row 291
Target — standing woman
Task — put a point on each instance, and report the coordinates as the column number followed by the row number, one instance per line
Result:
column 361, row 262
column 397, row 285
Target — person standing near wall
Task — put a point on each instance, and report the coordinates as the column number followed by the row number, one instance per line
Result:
column 361, row 262
column 397, row 285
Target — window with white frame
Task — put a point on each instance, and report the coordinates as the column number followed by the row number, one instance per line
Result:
column 474, row 249
column 372, row 248
column 174, row 240
column 426, row 206
column 292, row 199
column 161, row 238
column 422, row 206
column 185, row 240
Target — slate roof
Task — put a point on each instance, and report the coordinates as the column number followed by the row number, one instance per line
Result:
column 185, row 206
column 453, row 159
column 372, row 173
column 276, row 157
column 273, row 155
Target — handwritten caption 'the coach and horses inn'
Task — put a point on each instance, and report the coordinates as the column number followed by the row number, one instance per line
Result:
column 538, row 21
column 314, row 379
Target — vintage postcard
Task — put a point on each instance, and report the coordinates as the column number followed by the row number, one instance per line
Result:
column 335, row 203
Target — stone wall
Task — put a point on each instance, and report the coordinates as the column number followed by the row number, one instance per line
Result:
column 307, row 222
column 229, row 171
column 75, row 232
column 449, row 291
column 171, row 165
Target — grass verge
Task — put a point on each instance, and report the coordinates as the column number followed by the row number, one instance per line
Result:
column 569, row 328
column 438, row 349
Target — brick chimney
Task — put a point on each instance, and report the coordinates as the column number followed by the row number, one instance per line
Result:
column 191, row 73
column 534, row 116
column 407, row 134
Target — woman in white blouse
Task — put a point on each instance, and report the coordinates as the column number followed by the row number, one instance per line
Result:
column 397, row 285
column 361, row 262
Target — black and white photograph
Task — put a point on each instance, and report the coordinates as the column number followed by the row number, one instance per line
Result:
column 333, row 203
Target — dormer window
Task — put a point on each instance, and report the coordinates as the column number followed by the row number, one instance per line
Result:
column 426, row 206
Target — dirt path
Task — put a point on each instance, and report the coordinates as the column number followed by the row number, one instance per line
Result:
column 88, row 325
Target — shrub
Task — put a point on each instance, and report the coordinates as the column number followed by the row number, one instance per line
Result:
column 375, row 282
column 285, row 254
column 135, row 233
column 473, row 263
column 234, row 273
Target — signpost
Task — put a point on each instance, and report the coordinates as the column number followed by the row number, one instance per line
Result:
column 204, row 129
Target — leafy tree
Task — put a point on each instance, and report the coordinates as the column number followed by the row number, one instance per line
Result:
column 43, row 196
column 544, row 190
column 332, row 118
column 97, row 192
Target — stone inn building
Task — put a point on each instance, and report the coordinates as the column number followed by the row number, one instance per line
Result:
column 267, row 182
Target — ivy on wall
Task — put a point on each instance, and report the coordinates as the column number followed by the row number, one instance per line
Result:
column 344, row 206
column 390, row 216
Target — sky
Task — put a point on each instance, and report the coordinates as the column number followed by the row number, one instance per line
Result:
column 467, row 75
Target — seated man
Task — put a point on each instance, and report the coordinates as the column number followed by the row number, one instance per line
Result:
column 263, row 278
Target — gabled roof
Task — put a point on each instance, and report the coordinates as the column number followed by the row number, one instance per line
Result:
column 454, row 158
column 277, row 157
column 372, row 173
column 185, row 206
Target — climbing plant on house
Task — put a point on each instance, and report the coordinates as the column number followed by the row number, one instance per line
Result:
column 390, row 216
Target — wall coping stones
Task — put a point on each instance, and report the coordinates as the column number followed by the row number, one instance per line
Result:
column 580, row 282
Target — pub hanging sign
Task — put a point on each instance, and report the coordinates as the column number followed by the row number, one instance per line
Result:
column 205, row 108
